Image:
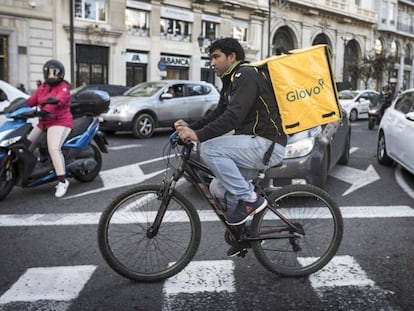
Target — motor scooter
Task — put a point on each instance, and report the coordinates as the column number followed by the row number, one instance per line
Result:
column 374, row 112
column 21, row 166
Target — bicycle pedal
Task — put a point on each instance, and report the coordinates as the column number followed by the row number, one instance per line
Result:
column 242, row 253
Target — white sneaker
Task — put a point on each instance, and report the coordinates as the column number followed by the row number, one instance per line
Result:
column 61, row 188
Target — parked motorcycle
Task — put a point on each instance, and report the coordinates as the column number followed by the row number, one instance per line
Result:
column 21, row 167
column 374, row 112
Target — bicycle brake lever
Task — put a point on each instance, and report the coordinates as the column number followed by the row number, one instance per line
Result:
column 174, row 139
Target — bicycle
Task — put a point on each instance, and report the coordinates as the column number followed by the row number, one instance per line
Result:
column 151, row 232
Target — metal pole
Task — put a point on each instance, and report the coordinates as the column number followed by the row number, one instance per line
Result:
column 71, row 39
column 268, row 29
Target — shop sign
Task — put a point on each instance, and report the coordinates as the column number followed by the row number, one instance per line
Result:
column 178, row 14
column 138, row 5
column 205, row 63
column 140, row 58
column 178, row 61
column 211, row 18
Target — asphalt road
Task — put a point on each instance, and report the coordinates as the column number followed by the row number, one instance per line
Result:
column 49, row 259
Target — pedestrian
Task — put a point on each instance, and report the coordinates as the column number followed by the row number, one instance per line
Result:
column 21, row 87
column 244, row 107
column 53, row 98
column 386, row 99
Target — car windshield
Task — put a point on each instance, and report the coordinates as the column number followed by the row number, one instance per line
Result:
column 347, row 94
column 146, row 89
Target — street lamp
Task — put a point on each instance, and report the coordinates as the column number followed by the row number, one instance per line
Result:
column 200, row 40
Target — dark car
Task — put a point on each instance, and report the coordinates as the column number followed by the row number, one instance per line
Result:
column 311, row 154
column 111, row 89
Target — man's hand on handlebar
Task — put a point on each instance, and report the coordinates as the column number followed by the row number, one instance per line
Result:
column 185, row 134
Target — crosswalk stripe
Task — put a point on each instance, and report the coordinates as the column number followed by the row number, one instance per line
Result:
column 71, row 219
column 49, row 283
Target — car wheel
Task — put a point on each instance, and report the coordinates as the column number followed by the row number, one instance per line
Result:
column 344, row 159
column 143, row 126
column 382, row 154
column 371, row 123
column 353, row 115
column 324, row 170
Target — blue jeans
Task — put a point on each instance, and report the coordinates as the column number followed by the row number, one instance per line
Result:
column 234, row 159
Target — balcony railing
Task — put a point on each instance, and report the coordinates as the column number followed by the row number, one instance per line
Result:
column 405, row 28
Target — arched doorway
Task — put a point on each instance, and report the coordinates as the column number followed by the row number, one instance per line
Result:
column 321, row 39
column 283, row 39
column 350, row 77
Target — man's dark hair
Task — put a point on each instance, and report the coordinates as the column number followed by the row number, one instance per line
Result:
column 227, row 46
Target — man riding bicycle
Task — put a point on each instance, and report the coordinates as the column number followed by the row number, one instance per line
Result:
column 245, row 107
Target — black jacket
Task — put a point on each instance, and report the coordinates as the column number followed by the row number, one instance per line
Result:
column 246, row 106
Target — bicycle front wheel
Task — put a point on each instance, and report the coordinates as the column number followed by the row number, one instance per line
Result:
column 310, row 209
column 132, row 250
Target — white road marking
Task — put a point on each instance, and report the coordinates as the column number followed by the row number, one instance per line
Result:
column 356, row 177
column 73, row 219
column 345, row 272
column 199, row 277
column 121, row 177
column 124, row 147
column 49, row 283
column 340, row 271
column 202, row 276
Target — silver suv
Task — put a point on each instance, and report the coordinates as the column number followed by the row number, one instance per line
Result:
column 151, row 105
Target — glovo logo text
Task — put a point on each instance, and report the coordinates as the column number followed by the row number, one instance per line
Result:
column 298, row 94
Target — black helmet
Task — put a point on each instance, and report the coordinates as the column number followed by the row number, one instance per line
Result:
column 53, row 71
column 386, row 88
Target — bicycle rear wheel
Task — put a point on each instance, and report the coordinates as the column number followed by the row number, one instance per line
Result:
column 127, row 246
column 310, row 208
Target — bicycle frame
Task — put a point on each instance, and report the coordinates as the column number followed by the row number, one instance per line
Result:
column 193, row 169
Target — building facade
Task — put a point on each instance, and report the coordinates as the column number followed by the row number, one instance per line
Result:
column 128, row 42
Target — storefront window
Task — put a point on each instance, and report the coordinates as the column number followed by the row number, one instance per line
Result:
column 91, row 9
column 240, row 32
column 172, row 29
column 137, row 21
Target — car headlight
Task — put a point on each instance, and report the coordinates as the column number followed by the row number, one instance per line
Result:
column 120, row 109
column 299, row 148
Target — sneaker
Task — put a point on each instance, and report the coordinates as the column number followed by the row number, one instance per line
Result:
column 61, row 188
column 235, row 250
column 244, row 210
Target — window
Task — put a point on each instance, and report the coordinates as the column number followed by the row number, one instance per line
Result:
column 198, row 89
column 383, row 13
column 209, row 30
column 405, row 104
column 91, row 9
column 240, row 33
column 4, row 71
column 239, row 30
column 137, row 21
column 172, row 29
column 408, row 58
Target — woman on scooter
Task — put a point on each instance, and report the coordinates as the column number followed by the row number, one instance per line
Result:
column 53, row 99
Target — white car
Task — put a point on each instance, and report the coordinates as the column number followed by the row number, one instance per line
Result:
column 396, row 133
column 8, row 93
column 356, row 102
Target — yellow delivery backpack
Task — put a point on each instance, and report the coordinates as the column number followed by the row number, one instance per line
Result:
column 304, row 87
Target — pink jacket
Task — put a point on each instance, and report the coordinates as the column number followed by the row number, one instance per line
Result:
column 59, row 114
